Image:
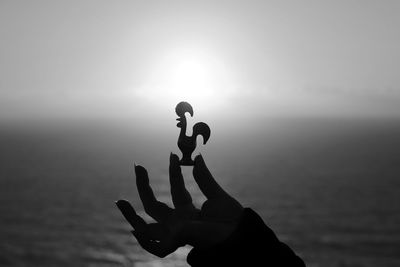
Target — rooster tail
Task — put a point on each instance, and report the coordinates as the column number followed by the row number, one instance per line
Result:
column 202, row 129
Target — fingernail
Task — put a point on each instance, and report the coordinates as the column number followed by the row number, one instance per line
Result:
column 139, row 168
column 120, row 202
column 174, row 160
column 198, row 159
column 141, row 174
column 201, row 158
column 120, row 206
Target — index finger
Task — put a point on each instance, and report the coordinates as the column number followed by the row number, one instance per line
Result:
column 156, row 209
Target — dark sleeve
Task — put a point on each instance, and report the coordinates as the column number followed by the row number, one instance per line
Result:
column 251, row 244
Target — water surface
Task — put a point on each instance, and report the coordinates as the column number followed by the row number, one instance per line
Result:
column 329, row 188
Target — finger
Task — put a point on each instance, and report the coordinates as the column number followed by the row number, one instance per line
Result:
column 156, row 209
column 180, row 196
column 130, row 215
column 156, row 248
column 206, row 182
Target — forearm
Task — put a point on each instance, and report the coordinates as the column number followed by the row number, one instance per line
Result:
column 251, row 242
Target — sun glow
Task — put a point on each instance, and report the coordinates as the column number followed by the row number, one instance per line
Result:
column 193, row 76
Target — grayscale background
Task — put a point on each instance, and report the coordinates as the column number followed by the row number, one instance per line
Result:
column 302, row 98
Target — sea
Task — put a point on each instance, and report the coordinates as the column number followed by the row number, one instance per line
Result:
column 328, row 187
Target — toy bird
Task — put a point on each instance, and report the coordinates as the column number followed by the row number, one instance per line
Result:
column 187, row 144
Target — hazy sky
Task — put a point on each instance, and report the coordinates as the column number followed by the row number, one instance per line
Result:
column 118, row 58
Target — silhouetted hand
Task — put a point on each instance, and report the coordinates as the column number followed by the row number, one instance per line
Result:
column 185, row 224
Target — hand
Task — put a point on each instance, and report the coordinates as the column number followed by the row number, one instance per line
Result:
column 185, row 224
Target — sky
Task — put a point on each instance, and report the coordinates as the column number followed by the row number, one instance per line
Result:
column 99, row 58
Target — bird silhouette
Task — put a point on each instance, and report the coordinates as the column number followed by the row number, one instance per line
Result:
column 187, row 144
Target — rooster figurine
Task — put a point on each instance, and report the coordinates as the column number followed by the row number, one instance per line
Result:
column 187, row 144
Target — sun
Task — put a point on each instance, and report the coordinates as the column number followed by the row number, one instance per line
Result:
column 190, row 72
column 191, row 75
